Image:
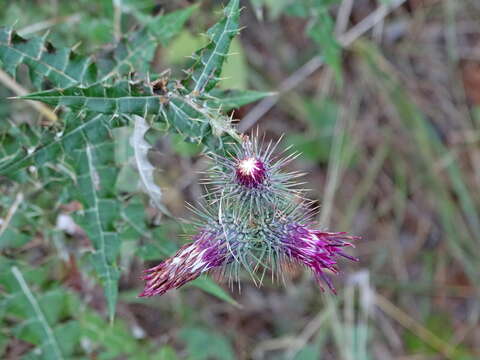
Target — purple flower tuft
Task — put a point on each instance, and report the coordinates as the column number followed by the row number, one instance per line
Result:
column 316, row 249
column 206, row 252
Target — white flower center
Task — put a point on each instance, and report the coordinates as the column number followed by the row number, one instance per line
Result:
column 247, row 167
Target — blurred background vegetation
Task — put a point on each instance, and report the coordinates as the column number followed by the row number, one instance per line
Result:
column 382, row 97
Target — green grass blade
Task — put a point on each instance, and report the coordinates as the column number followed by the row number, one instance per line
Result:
column 209, row 286
column 36, row 323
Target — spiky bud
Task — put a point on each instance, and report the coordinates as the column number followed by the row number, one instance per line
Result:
column 252, row 177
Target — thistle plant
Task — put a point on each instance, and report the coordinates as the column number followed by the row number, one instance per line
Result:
column 256, row 219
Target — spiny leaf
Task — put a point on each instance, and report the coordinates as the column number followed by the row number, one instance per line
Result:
column 113, row 340
column 94, row 165
column 53, row 146
column 121, row 98
column 193, row 118
column 188, row 115
column 233, row 99
column 86, row 144
column 207, row 67
column 16, row 140
column 15, row 234
column 144, row 167
column 62, row 67
column 167, row 26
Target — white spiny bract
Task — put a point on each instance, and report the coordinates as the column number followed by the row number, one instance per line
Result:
column 255, row 218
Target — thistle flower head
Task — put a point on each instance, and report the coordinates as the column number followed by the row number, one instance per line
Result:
column 252, row 175
column 255, row 219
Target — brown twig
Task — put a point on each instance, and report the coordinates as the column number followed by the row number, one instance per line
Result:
column 11, row 212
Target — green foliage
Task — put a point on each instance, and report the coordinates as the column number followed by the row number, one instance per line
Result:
column 40, row 318
column 309, row 352
column 301, row 8
column 55, row 321
column 93, row 163
column 62, row 67
column 183, row 114
column 112, row 341
column 231, row 99
column 98, row 95
column 400, row 174
column 22, row 222
column 321, row 27
column 323, row 33
column 209, row 286
column 320, row 117
column 135, row 51
column 440, row 325
column 203, row 344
